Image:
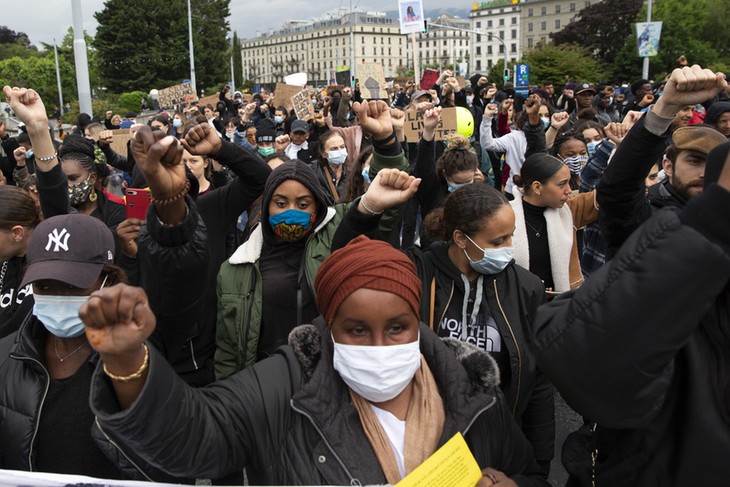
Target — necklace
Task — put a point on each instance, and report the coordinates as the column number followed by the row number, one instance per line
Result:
column 55, row 349
column 537, row 232
column 2, row 274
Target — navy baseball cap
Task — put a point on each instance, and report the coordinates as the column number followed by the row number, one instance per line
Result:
column 69, row 248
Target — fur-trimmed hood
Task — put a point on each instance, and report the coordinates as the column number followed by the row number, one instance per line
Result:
column 481, row 368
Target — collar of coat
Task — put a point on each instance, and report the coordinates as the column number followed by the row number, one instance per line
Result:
column 250, row 251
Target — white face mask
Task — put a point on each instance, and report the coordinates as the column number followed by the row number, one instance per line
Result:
column 377, row 373
column 337, row 157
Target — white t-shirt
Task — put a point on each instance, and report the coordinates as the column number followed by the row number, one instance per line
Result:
column 395, row 430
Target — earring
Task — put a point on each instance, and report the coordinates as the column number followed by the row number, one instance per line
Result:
column 93, row 196
column 538, row 193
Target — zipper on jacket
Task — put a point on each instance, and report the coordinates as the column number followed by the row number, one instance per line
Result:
column 192, row 354
column 96, row 421
column 247, row 322
column 40, row 407
column 479, row 413
column 446, row 308
column 353, row 481
column 517, row 347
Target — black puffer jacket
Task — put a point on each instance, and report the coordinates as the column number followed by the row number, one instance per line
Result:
column 631, row 351
column 288, row 419
column 513, row 297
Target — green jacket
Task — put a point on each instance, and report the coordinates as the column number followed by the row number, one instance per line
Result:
column 239, row 288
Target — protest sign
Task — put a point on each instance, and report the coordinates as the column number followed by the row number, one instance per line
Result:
column 121, row 137
column 372, row 81
column 283, row 94
column 302, row 106
column 429, row 77
column 410, row 16
column 414, row 124
column 174, row 95
column 211, row 100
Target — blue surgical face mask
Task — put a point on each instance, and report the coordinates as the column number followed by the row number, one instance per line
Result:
column 469, row 99
column 494, row 260
column 60, row 314
column 29, row 154
column 176, row 122
column 266, row 151
column 337, row 157
column 278, row 119
column 545, row 121
column 366, row 174
column 591, row 148
column 454, row 186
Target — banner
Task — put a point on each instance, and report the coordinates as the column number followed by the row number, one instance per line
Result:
column 302, row 106
column 414, row 124
column 647, row 38
column 343, row 77
column 175, row 95
column 410, row 15
column 121, row 137
column 211, row 100
column 372, row 81
column 296, row 79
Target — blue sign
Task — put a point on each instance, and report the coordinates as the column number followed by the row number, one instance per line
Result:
column 522, row 74
column 257, row 88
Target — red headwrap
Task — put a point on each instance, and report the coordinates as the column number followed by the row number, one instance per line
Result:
column 369, row 264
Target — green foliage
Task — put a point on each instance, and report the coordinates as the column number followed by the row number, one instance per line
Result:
column 15, row 44
column 98, row 105
column 143, row 44
column 565, row 62
column 496, row 73
column 237, row 63
column 38, row 73
column 132, row 101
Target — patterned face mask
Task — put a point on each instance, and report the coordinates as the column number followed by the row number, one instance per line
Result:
column 79, row 193
column 292, row 225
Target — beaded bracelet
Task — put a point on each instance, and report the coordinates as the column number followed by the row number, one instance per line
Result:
column 47, row 159
column 173, row 199
column 135, row 375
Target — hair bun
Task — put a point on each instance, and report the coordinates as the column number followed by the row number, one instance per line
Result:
column 517, row 179
column 457, row 142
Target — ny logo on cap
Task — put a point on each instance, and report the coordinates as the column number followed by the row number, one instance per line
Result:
column 60, row 239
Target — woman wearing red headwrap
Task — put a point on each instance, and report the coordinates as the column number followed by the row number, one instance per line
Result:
column 363, row 396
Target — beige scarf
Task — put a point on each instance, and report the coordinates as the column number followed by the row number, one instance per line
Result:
column 424, row 425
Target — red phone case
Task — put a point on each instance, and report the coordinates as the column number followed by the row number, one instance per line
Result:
column 138, row 200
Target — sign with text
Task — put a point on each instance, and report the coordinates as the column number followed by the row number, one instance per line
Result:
column 414, row 124
column 452, row 465
column 343, row 77
column 522, row 75
column 410, row 15
column 429, row 77
column 175, row 95
column 283, row 94
column 372, row 81
column 302, row 106
column 211, row 100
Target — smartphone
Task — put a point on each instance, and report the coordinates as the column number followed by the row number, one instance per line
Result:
column 138, row 200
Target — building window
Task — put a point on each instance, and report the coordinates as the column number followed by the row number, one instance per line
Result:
column 529, row 27
column 543, row 10
column 501, row 49
column 501, row 34
column 479, row 64
column 479, row 38
column 363, row 51
column 557, row 23
column 588, row 3
column 514, row 20
column 514, row 33
column 489, row 64
column 489, row 50
column 479, row 50
column 557, row 9
column 529, row 42
column 501, row 22
column 572, row 7
column 489, row 24
column 479, row 25
column 543, row 25
column 513, row 48
column 529, row 12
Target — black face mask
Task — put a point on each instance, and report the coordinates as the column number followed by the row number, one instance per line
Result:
column 509, row 92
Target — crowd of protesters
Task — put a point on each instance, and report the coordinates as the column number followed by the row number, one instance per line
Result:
column 328, row 301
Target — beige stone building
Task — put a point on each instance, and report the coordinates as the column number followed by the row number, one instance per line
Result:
column 540, row 18
column 318, row 47
column 444, row 46
column 502, row 20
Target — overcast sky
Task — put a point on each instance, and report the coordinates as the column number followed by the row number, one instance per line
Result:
column 43, row 20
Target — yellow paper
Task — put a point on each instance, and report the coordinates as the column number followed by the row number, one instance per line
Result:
column 452, row 465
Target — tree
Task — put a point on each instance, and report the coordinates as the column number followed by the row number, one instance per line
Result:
column 15, row 44
column 39, row 72
column 597, row 27
column 565, row 62
column 237, row 63
column 143, row 44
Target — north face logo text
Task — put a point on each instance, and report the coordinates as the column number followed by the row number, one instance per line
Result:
column 59, row 239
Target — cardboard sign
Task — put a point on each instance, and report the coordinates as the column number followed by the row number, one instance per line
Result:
column 211, row 100
column 283, row 94
column 462, row 82
column 302, row 106
column 414, row 124
column 429, row 77
column 343, row 77
column 175, row 95
column 372, row 81
column 121, row 137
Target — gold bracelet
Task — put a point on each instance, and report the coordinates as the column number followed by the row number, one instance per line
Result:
column 173, row 199
column 135, row 375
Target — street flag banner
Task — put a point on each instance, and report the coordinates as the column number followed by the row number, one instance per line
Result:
column 410, row 15
column 647, row 38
